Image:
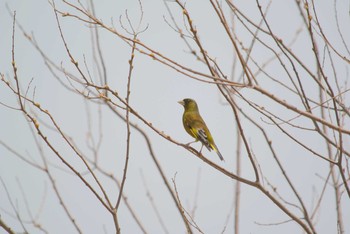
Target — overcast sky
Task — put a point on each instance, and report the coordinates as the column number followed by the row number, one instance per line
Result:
column 155, row 90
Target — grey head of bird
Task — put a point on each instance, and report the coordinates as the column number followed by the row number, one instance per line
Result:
column 189, row 104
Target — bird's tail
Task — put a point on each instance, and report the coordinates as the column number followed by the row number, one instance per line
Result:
column 217, row 152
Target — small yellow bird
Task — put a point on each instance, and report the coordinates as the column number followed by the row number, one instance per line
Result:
column 196, row 127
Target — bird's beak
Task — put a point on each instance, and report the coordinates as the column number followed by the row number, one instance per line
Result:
column 181, row 102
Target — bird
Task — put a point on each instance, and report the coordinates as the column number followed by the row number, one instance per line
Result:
column 196, row 127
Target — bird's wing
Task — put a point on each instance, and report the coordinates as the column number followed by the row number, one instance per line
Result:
column 202, row 136
column 197, row 128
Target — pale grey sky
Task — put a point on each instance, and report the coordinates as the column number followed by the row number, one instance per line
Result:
column 155, row 90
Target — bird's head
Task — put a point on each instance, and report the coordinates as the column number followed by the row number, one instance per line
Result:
column 189, row 104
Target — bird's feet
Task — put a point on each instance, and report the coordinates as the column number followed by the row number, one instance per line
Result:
column 200, row 152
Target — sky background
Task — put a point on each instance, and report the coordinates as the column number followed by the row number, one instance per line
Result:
column 155, row 91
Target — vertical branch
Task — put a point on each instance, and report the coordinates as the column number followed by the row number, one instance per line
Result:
column 14, row 67
column 332, row 172
column 238, row 184
column 127, row 129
